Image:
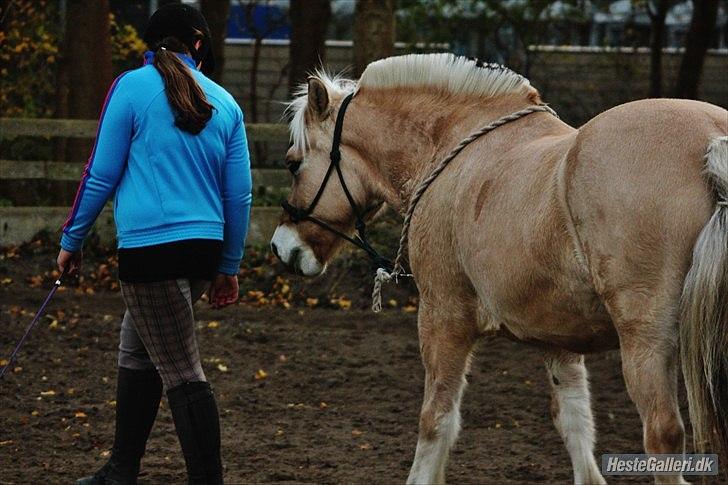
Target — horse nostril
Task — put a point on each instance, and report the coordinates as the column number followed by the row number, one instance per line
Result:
column 293, row 262
column 274, row 248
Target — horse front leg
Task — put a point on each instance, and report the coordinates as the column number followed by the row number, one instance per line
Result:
column 571, row 412
column 447, row 334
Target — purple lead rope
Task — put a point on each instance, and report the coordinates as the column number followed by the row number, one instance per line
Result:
column 38, row 314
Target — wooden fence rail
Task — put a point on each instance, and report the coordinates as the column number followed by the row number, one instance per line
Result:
column 275, row 178
column 20, row 224
column 47, row 127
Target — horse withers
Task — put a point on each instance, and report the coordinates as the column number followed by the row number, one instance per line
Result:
column 613, row 235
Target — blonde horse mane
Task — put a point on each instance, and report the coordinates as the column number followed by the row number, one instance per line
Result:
column 446, row 72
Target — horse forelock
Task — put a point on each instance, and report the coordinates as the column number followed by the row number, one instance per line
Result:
column 336, row 85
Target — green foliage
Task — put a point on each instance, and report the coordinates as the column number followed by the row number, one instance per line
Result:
column 127, row 47
column 490, row 29
column 30, row 51
column 28, row 54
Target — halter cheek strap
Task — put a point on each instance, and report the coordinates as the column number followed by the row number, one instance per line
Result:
column 298, row 214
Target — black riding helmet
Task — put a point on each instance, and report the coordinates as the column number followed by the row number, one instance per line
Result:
column 185, row 23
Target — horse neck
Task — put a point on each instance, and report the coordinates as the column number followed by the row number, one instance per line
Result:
column 404, row 134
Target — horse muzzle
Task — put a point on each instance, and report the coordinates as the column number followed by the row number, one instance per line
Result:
column 290, row 249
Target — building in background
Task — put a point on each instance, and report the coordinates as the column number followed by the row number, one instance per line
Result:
column 619, row 23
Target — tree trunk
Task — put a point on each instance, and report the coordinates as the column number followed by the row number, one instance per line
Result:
column 309, row 20
column 698, row 39
column 216, row 13
column 87, row 58
column 657, row 40
column 374, row 32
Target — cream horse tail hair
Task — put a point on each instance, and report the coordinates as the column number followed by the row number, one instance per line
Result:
column 704, row 322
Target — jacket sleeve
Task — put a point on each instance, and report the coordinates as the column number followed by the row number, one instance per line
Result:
column 104, row 168
column 236, row 198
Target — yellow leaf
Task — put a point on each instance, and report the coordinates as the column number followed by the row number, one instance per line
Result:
column 34, row 413
column 343, row 303
column 323, row 405
column 260, row 375
column 3, row 362
column 312, row 302
column 105, row 453
column 213, row 324
column 356, row 432
column 48, row 393
column 392, row 302
column 80, row 414
column 409, row 309
column 6, row 442
column 53, row 324
column 222, row 367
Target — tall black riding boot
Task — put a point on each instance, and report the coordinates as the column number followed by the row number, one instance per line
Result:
column 198, row 427
column 138, row 393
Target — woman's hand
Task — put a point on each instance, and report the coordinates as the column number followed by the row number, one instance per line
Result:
column 71, row 262
column 224, row 290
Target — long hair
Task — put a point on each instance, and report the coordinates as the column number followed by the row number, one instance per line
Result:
column 704, row 324
column 189, row 103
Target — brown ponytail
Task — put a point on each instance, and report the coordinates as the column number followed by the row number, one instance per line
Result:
column 189, row 103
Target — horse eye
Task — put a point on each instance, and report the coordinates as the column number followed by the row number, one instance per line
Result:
column 293, row 166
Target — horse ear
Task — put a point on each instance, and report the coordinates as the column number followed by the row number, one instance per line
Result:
column 318, row 97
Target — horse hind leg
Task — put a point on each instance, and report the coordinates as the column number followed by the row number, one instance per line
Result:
column 446, row 344
column 571, row 412
column 646, row 322
column 650, row 373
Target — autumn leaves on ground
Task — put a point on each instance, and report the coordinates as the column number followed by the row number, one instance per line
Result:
column 312, row 387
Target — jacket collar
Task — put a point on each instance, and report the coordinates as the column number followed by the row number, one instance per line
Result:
column 149, row 57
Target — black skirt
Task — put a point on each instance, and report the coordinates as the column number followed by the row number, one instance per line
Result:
column 190, row 259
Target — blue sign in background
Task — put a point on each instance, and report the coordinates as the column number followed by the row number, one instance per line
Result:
column 270, row 22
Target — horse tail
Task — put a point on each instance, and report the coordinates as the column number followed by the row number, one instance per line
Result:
column 704, row 317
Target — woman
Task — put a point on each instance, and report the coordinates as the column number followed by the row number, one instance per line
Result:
column 171, row 148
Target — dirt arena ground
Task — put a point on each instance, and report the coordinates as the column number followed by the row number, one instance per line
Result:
column 307, row 395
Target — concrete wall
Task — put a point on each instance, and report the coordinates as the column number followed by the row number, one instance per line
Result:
column 578, row 82
column 582, row 82
column 20, row 224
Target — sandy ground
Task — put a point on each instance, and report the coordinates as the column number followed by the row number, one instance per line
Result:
column 337, row 400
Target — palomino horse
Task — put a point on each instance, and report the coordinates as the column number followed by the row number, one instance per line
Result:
column 573, row 240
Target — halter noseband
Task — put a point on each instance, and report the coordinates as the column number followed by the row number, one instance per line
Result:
column 298, row 214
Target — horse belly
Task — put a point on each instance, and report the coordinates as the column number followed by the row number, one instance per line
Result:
column 518, row 253
column 574, row 321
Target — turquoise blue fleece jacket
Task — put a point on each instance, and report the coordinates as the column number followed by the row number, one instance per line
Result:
column 168, row 185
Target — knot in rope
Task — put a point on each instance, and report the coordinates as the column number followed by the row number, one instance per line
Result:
column 382, row 276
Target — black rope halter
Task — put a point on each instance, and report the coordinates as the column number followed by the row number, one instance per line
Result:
column 298, row 214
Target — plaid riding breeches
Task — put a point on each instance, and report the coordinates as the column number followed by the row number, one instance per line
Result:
column 158, row 329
